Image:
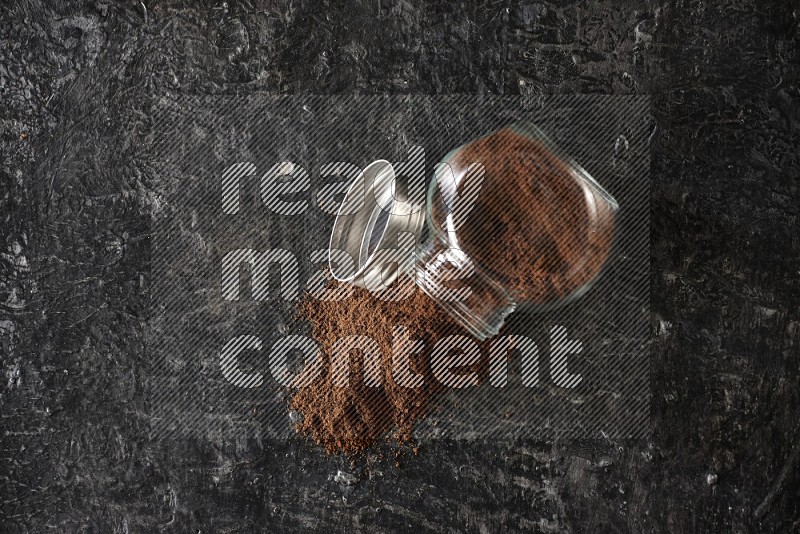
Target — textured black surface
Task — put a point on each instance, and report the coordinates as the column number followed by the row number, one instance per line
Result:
column 76, row 207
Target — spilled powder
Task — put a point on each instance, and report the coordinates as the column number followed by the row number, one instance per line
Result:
column 352, row 418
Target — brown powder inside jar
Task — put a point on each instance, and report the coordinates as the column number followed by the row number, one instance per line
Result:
column 543, row 232
column 352, row 418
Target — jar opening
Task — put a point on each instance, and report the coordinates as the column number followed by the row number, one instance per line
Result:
column 368, row 220
column 376, row 229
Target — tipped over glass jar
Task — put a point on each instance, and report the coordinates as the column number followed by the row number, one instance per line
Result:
column 509, row 222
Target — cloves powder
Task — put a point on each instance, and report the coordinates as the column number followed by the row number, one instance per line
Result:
column 534, row 227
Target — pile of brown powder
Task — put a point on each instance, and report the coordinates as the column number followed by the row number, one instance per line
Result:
column 350, row 419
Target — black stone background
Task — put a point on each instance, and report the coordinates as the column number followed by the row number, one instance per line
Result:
column 76, row 203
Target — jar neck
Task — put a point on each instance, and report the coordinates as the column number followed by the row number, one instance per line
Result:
column 468, row 294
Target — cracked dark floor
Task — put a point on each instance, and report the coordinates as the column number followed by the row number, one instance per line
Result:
column 75, row 200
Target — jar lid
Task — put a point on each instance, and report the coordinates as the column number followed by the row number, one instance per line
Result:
column 370, row 220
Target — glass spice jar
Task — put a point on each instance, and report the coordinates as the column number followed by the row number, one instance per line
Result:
column 510, row 222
